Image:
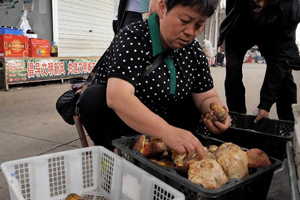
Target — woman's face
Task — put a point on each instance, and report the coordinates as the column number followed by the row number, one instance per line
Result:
column 179, row 26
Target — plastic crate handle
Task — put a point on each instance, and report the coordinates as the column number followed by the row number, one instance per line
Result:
column 14, row 182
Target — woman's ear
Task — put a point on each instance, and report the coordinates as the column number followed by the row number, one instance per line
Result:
column 161, row 8
column 202, row 28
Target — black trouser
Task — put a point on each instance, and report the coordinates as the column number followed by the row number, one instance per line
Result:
column 101, row 122
column 235, row 89
column 115, row 26
column 235, row 50
column 287, row 97
column 130, row 17
column 103, row 125
column 281, row 86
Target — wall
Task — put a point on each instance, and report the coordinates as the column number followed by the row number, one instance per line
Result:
column 84, row 27
column 40, row 23
column 210, row 27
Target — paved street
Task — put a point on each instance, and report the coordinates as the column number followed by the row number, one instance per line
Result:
column 30, row 125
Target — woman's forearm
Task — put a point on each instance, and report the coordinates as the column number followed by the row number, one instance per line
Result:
column 204, row 100
column 121, row 98
column 133, row 112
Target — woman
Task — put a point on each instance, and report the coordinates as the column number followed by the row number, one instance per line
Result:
column 141, row 103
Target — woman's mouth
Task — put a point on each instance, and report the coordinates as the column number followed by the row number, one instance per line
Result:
column 184, row 42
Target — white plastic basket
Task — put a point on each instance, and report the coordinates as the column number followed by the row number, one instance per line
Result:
column 95, row 173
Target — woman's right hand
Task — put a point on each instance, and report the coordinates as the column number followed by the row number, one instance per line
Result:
column 184, row 142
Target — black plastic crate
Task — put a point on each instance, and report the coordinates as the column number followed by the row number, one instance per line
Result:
column 254, row 186
column 268, row 135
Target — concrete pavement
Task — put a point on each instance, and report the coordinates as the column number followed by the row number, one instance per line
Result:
column 30, row 125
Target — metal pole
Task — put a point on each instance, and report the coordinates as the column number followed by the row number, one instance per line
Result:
column 217, row 27
column 80, row 131
column 210, row 29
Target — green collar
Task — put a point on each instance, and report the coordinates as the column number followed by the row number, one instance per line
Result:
column 155, row 34
column 157, row 49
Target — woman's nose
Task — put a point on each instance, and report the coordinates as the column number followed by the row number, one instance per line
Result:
column 189, row 30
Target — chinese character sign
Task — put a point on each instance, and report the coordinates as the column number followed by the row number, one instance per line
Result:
column 39, row 69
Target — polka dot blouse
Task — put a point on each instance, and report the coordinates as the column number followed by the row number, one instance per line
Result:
column 131, row 52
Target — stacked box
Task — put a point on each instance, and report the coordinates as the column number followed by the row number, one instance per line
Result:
column 296, row 147
column 39, row 48
column 13, row 31
column 1, row 76
column 13, row 46
column 296, row 141
column 293, row 178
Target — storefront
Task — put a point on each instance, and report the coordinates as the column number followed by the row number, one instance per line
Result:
column 82, row 31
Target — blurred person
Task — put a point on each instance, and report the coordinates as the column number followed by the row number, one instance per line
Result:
column 128, row 11
column 271, row 25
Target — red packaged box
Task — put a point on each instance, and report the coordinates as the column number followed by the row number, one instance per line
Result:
column 39, row 48
column 13, row 46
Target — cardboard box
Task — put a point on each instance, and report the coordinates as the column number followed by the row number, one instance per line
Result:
column 31, row 35
column 13, row 46
column 39, row 48
column 13, row 31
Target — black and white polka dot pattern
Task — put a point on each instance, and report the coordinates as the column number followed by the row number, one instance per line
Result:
column 131, row 51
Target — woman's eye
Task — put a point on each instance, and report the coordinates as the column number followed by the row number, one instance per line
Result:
column 198, row 27
column 184, row 21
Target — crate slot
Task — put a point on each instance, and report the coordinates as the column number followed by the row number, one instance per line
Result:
column 87, row 169
column 22, row 175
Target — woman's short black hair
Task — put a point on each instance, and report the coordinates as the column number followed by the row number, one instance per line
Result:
column 204, row 7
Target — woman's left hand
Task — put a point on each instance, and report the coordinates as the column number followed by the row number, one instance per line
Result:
column 217, row 127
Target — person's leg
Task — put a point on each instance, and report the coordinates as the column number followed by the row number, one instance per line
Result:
column 235, row 50
column 115, row 26
column 130, row 17
column 288, row 96
column 100, row 121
